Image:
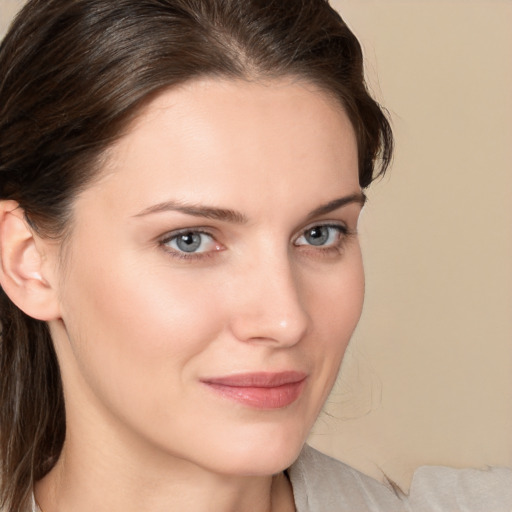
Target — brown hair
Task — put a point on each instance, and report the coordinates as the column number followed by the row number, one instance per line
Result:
column 73, row 73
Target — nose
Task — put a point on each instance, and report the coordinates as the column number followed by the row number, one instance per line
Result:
column 269, row 304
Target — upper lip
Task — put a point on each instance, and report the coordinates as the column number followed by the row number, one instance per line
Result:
column 258, row 379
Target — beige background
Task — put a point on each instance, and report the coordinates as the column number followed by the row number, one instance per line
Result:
column 428, row 378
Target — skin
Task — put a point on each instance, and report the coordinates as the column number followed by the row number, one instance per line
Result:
column 140, row 325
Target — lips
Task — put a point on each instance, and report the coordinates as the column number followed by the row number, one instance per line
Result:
column 260, row 390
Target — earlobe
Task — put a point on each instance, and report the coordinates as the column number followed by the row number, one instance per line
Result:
column 21, row 265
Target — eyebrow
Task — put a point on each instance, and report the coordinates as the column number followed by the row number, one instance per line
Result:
column 208, row 212
column 232, row 216
column 358, row 198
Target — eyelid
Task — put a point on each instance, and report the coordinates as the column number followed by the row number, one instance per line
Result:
column 341, row 226
column 182, row 231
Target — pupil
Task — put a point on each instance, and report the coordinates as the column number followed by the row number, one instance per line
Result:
column 189, row 242
column 317, row 236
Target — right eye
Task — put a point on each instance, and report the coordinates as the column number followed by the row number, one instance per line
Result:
column 190, row 242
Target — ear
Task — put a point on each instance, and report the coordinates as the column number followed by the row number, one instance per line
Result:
column 23, row 261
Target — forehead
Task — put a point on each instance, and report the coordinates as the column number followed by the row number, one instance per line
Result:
column 214, row 138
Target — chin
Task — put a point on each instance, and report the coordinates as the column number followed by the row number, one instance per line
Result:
column 258, row 454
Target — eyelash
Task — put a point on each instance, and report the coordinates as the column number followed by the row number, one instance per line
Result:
column 343, row 232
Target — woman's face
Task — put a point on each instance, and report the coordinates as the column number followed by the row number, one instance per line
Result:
column 213, row 277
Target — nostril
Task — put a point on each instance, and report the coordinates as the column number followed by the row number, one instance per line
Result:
column 270, row 324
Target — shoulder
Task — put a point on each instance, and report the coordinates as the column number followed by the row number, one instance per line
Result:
column 440, row 489
column 321, row 483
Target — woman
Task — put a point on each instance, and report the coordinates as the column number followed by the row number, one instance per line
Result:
column 180, row 188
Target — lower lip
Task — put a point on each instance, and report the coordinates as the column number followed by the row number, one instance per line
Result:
column 275, row 397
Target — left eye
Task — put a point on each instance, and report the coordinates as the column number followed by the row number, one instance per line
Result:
column 191, row 242
column 321, row 236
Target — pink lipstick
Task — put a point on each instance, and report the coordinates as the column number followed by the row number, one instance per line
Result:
column 260, row 390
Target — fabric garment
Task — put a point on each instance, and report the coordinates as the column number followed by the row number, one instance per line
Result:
column 442, row 489
column 323, row 484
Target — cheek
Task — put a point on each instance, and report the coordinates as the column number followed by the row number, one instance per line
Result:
column 136, row 333
column 140, row 305
column 336, row 307
column 337, row 303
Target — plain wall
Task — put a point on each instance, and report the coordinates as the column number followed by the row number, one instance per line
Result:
column 8, row 9
column 428, row 379
column 428, row 376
